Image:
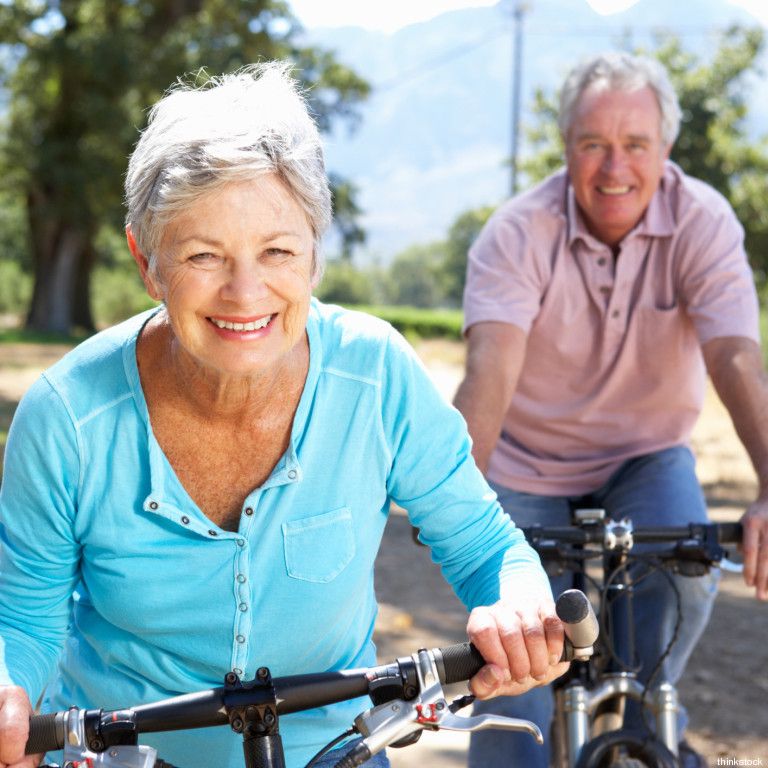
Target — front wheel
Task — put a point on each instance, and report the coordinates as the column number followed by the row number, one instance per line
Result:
column 626, row 749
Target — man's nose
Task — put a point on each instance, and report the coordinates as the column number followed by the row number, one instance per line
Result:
column 615, row 159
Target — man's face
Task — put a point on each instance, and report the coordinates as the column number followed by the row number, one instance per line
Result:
column 615, row 158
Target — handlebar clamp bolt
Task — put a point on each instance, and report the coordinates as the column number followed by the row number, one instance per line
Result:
column 237, row 725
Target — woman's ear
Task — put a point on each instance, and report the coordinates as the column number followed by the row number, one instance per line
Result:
column 149, row 280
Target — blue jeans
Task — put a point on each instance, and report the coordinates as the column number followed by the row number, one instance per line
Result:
column 657, row 489
column 330, row 759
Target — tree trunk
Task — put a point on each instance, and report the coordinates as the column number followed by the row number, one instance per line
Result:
column 59, row 252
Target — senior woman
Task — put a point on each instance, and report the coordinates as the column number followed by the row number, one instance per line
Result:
column 204, row 487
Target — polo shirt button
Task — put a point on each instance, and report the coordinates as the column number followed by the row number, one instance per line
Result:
column 615, row 313
column 241, row 578
column 241, row 542
column 243, row 607
column 292, row 474
column 213, row 533
column 238, row 671
column 602, row 261
column 249, row 510
column 153, row 505
column 185, row 520
column 240, row 639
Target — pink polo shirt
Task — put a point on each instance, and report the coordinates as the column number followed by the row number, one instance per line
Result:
column 613, row 366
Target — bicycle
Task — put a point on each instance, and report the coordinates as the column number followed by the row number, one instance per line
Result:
column 589, row 730
column 407, row 695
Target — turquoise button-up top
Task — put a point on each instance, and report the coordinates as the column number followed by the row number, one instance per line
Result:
column 115, row 589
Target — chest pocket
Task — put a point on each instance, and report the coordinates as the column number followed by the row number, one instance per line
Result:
column 319, row 548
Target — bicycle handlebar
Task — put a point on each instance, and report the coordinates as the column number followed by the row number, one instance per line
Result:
column 455, row 663
column 401, row 679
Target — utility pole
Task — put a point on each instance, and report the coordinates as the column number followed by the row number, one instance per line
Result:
column 517, row 77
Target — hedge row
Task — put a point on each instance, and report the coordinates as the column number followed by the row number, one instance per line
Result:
column 421, row 323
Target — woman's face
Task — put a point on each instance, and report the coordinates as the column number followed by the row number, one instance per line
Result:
column 235, row 273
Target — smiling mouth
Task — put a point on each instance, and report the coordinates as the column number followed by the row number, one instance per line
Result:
column 254, row 325
column 613, row 191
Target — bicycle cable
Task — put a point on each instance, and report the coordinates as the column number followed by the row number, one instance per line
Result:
column 331, row 744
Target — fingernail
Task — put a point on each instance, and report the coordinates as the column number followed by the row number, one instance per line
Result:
column 554, row 659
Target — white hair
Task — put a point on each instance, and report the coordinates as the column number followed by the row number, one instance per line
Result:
column 234, row 128
column 623, row 72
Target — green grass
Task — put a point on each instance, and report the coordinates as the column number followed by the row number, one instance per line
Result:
column 23, row 336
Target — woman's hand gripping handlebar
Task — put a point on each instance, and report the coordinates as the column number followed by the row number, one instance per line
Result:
column 407, row 694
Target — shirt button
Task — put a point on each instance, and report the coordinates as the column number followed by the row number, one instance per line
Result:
column 605, row 290
column 240, row 639
column 292, row 474
column 602, row 261
column 241, row 578
column 615, row 313
column 249, row 510
column 243, row 607
column 237, row 671
column 153, row 505
column 241, row 542
column 185, row 520
column 213, row 533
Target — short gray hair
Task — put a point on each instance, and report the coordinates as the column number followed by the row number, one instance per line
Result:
column 622, row 72
column 234, row 128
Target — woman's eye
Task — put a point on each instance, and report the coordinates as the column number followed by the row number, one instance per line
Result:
column 204, row 259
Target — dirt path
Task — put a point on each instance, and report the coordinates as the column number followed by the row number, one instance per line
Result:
column 727, row 689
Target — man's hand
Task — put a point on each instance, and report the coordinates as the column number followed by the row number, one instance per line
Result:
column 15, row 710
column 754, row 546
column 522, row 646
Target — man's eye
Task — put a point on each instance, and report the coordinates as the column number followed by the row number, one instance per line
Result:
column 279, row 253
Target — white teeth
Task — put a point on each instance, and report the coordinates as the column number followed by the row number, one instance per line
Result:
column 255, row 325
column 613, row 190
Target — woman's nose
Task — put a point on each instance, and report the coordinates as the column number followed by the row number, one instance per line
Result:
column 245, row 283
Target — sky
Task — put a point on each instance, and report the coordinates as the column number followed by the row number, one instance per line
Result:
column 391, row 15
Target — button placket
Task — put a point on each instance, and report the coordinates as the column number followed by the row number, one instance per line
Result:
column 242, row 605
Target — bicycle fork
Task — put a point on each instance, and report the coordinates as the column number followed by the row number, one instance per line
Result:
column 578, row 703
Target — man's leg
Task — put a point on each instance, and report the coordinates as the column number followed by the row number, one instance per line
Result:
column 501, row 749
column 662, row 489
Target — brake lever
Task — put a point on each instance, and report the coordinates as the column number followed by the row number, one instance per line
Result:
column 388, row 723
column 77, row 752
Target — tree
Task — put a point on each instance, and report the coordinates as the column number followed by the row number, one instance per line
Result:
column 413, row 278
column 80, row 73
column 461, row 235
column 713, row 145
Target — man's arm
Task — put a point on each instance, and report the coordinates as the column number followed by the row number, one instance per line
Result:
column 495, row 354
column 735, row 365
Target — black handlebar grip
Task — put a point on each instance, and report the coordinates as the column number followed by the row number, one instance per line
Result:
column 729, row 533
column 460, row 662
column 46, row 733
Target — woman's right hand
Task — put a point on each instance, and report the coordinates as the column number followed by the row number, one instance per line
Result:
column 15, row 711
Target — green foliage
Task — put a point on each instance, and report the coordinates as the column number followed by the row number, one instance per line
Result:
column 414, row 277
column 15, row 288
column 415, row 322
column 713, row 144
column 461, row 235
column 117, row 295
column 343, row 283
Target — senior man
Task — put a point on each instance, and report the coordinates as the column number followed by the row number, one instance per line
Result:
column 595, row 303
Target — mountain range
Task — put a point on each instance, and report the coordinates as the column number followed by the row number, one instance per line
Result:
column 434, row 136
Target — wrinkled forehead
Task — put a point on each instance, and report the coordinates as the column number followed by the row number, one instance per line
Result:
column 602, row 108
